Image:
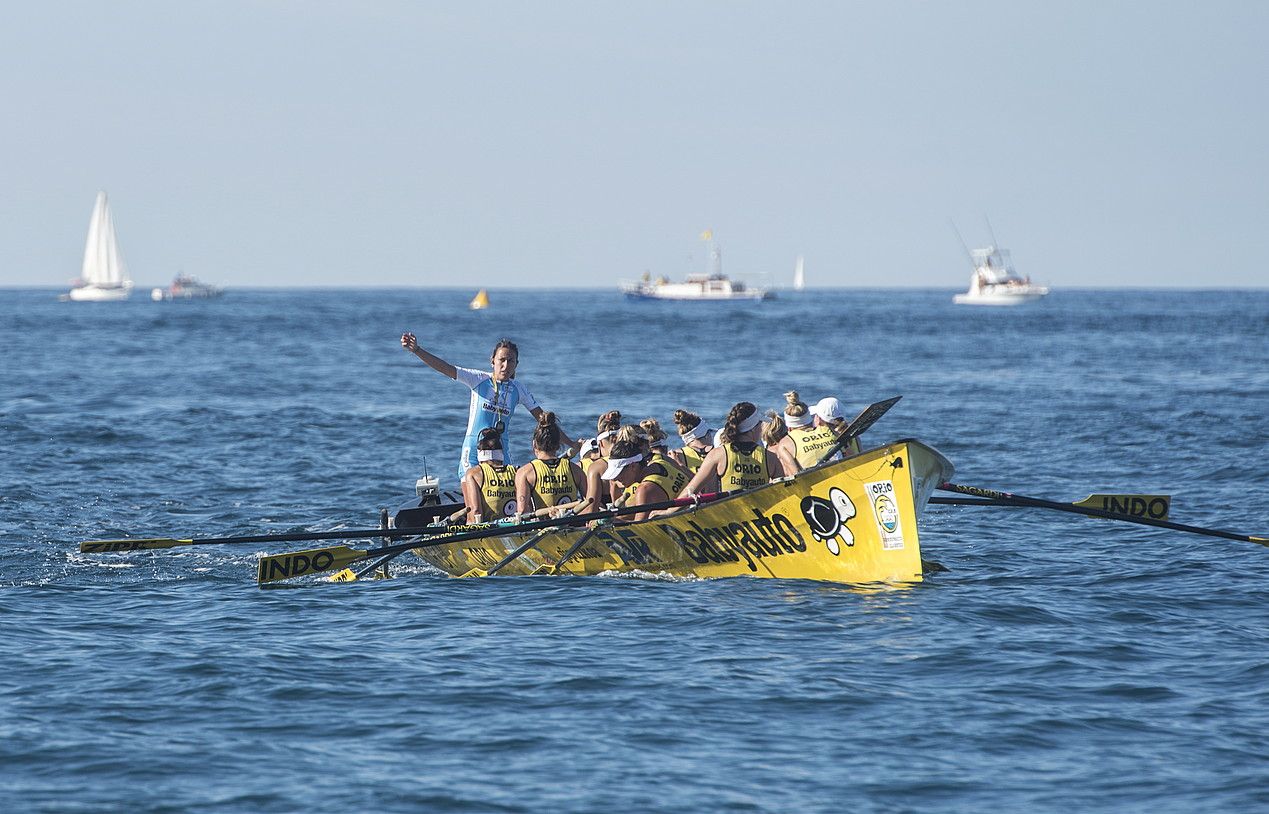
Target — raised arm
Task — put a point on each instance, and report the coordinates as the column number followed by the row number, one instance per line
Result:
column 410, row 343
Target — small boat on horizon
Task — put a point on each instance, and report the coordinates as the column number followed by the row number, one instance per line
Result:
column 103, row 276
column 186, row 287
column 994, row 281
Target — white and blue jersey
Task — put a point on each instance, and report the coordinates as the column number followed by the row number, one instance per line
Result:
column 489, row 405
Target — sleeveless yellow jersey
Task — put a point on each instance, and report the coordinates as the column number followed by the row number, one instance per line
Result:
column 669, row 478
column 498, row 492
column 693, row 457
column 555, row 482
column 811, row 443
column 746, row 466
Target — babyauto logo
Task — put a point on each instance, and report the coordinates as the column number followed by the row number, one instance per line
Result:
column 827, row 518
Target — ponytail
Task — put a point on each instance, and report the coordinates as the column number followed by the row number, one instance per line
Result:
column 775, row 429
column 652, row 432
column 546, row 437
column 738, row 414
column 794, row 406
column 685, row 421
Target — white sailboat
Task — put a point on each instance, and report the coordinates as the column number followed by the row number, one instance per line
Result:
column 799, row 278
column 103, row 277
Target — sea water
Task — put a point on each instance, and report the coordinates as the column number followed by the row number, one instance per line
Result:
column 1060, row 664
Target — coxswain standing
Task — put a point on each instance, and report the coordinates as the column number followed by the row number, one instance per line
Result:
column 494, row 395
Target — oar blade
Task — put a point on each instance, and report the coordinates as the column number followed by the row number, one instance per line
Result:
column 274, row 568
column 108, row 546
column 1154, row 507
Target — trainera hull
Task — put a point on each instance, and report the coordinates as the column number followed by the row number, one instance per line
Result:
column 853, row 521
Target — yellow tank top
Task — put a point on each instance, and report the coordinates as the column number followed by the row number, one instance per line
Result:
column 498, row 492
column 746, row 466
column 811, row 443
column 668, row 477
column 693, row 457
column 555, row 482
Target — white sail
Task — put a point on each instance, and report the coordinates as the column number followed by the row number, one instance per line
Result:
column 103, row 265
column 799, row 278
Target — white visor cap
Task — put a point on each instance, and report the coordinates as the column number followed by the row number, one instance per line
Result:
column 615, row 465
column 829, row 409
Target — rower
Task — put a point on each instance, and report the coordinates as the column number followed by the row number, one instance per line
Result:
column 494, row 395
column 775, row 434
column 641, row 480
column 740, row 461
column 806, row 441
column 547, row 480
column 489, row 487
column 697, row 440
column 654, row 437
column 598, row 492
column 828, row 413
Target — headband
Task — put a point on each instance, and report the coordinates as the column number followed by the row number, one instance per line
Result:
column 489, row 455
column 750, row 422
column 615, row 465
column 699, row 431
column 804, row 420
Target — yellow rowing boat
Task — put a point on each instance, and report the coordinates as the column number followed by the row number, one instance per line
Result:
column 852, row 521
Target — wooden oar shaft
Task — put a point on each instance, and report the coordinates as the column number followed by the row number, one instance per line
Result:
column 1008, row 498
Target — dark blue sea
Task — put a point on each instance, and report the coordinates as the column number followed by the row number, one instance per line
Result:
column 1060, row 664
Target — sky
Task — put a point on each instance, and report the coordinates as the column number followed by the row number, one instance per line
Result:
column 573, row 144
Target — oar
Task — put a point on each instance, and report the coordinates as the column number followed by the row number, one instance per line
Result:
column 103, row 546
column 856, row 428
column 1152, row 506
column 554, row 568
column 273, row 568
column 1023, row 500
column 349, row 575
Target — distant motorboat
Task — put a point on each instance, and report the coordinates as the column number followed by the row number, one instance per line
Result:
column 713, row 285
column 103, row 277
column 994, row 281
column 186, row 287
column 480, row 301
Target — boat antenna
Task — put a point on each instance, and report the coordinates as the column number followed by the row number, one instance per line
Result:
column 968, row 254
column 991, row 232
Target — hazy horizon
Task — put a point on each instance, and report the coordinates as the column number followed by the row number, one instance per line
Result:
column 390, row 145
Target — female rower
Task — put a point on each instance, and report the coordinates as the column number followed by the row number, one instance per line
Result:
column 547, row 480
column 642, row 480
column 489, row 487
column 740, row 461
column 697, row 440
column 806, row 441
column 655, row 437
column 494, row 395
column 598, row 491
column 828, row 413
column 774, row 436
